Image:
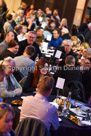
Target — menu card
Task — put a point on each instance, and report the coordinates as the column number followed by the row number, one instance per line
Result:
column 44, row 46
column 49, row 37
column 58, row 54
column 60, row 83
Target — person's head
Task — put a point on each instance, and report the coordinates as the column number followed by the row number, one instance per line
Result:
column 31, row 7
column 18, row 28
column 84, row 45
column 23, row 5
column 13, row 46
column 89, row 26
column 9, row 17
column 56, row 33
column 14, row 15
column 67, row 46
column 70, row 60
column 55, row 12
column 20, row 12
column 40, row 12
column 52, row 25
column 64, row 22
column 85, row 53
column 64, row 31
column 1, row 2
column 45, row 85
column 6, row 117
column 88, row 52
column 87, row 61
column 75, row 40
column 24, row 29
column 9, row 36
column 8, row 65
column 41, row 69
column 31, row 37
column 2, row 74
column 39, row 31
column 29, row 51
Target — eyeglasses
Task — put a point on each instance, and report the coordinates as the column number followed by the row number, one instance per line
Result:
column 66, row 45
column 31, row 37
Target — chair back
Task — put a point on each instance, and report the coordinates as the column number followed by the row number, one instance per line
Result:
column 31, row 127
column 77, row 89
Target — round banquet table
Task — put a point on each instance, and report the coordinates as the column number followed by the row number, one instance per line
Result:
column 67, row 128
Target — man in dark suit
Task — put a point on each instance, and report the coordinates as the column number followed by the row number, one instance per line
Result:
column 30, row 41
column 66, row 50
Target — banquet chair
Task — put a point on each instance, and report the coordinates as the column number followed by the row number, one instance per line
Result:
column 31, row 127
column 77, row 89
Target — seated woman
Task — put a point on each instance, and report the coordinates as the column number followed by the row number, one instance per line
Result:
column 9, row 86
column 6, row 119
column 31, row 81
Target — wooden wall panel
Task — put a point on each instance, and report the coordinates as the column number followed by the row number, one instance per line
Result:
column 70, row 11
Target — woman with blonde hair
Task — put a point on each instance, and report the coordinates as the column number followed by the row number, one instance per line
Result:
column 6, row 119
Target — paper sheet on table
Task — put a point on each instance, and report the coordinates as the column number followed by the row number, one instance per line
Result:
column 88, row 123
column 60, row 83
column 49, row 37
column 59, row 119
column 44, row 46
column 58, row 54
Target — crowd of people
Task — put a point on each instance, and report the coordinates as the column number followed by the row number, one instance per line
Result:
column 21, row 36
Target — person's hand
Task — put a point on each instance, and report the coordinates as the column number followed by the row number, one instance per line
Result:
column 18, row 92
column 11, row 94
column 51, row 48
column 59, row 59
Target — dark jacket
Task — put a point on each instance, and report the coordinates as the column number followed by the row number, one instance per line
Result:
column 86, row 79
column 23, row 45
column 31, row 127
column 70, row 73
column 27, row 83
column 63, row 56
column 6, row 53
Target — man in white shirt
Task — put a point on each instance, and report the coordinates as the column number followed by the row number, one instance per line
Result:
column 38, row 106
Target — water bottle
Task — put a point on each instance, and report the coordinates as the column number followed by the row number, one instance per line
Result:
column 37, row 58
column 67, row 105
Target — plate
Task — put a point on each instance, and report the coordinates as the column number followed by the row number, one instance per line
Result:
column 88, row 123
column 22, row 97
column 59, row 119
column 78, row 112
column 16, row 102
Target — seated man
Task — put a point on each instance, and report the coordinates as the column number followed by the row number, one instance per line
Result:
column 9, row 86
column 73, row 78
column 38, row 107
column 30, row 41
column 8, row 37
column 56, row 40
column 39, row 36
column 69, row 71
column 23, row 63
column 66, row 50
